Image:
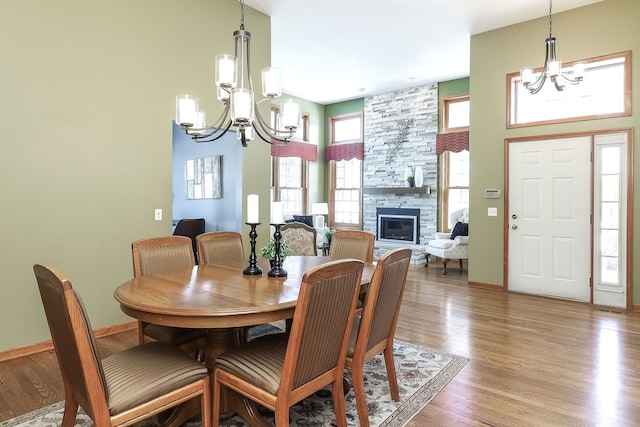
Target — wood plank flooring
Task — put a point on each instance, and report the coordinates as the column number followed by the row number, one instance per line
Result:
column 533, row 361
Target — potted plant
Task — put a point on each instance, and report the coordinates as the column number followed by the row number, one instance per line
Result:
column 268, row 251
column 412, row 181
column 329, row 235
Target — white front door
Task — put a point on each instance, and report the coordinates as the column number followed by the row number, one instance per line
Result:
column 549, row 236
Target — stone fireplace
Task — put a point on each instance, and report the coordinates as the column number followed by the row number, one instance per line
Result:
column 400, row 130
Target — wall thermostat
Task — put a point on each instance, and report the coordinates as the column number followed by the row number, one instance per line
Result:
column 491, row 193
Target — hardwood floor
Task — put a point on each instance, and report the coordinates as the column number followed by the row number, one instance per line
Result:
column 533, row 361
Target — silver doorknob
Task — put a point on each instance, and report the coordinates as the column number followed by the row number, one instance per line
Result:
column 514, row 227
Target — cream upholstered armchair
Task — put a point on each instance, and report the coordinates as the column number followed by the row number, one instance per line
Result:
column 454, row 245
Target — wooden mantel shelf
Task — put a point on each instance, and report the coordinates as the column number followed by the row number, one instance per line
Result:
column 397, row 190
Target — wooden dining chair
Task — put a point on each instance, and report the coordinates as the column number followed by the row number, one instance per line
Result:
column 220, row 247
column 166, row 253
column 277, row 371
column 373, row 332
column 300, row 238
column 352, row 244
column 125, row 387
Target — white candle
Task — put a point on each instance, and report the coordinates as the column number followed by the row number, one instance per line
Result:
column 277, row 213
column 253, row 209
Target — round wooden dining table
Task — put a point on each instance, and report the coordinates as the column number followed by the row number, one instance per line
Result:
column 221, row 299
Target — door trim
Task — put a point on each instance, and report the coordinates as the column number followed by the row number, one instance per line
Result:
column 630, row 174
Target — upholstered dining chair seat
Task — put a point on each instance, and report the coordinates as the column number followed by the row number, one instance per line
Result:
column 142, row 373
column 265, row 356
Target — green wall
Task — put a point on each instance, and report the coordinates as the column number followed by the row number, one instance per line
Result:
column 316, row 170
column 88, row 96
column 453, row 87
column 602, row 28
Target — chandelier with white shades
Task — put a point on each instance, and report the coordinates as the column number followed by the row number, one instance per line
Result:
column 235, row 90
column 552, row 68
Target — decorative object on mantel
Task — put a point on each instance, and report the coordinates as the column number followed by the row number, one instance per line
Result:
column 408, row 172
column 418, row 176
column 235, row 90
column 552, row 68
column 412, row 181
column 403, row 131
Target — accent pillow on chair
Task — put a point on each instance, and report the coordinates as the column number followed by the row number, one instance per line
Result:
column 460, row 229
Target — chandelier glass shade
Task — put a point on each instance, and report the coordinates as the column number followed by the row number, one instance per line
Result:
column 552, row 68
column 234, row 88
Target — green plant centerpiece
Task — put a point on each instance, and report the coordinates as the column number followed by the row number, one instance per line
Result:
column 329, row 236
column 268, row 251
column 412, row 181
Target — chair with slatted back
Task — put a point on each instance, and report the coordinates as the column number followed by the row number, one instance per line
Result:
column 352, row 244
column 125, row 387
column 300, row 238
column 277, row 371
column 373, row 332
column 159, row 254
column 220, row 247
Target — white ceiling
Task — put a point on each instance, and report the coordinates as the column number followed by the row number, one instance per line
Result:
column 336, row 50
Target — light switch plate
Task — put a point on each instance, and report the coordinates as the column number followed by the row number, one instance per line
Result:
column 158, row 215
column 492, row 211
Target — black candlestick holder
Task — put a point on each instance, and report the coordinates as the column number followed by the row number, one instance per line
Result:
column 253, row 269
column 276, row 266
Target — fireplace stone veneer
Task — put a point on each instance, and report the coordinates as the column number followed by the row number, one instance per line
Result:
column 400, row 130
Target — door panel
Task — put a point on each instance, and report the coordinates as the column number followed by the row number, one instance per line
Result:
column 549, row 211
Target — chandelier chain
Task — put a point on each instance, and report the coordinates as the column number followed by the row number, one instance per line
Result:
column 242, row 15
column 550, row 23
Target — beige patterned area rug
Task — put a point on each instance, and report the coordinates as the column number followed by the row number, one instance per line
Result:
column 422, row 373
